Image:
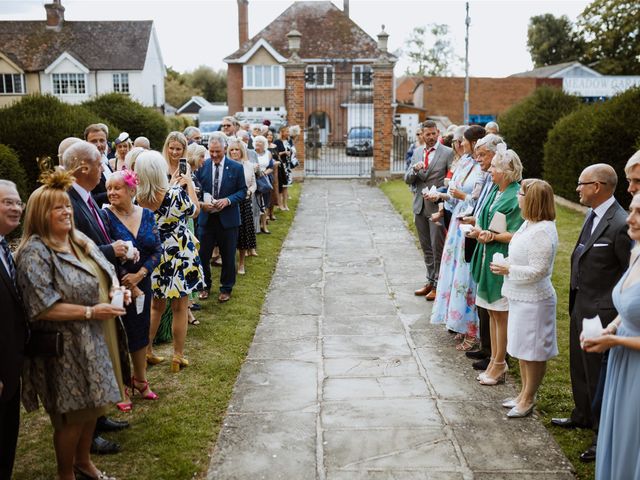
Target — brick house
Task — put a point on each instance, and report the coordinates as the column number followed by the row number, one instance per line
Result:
column 337, row 56
column 75, row 61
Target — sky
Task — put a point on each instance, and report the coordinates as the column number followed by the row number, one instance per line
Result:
column 203, row 32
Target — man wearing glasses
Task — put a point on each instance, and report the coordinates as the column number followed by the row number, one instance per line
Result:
column 599, row 259
column 229, row 126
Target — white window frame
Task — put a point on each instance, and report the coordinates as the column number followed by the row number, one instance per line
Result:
column 263, row 77
column 79, row 79
column 360, row 70
column 121, row 83
column 321, row 70
column 14, row 76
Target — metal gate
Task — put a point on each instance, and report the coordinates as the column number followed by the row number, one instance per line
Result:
column 339, row 123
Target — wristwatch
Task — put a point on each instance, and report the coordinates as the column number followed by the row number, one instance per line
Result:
column 88, row 313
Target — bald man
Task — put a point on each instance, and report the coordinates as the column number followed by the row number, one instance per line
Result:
column 599, row 259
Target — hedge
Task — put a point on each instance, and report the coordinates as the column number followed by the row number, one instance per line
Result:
column 525, row 125
column 35, row 126
column 12, row 169
column 608, row 132
column 178, row 123
column 131, row 117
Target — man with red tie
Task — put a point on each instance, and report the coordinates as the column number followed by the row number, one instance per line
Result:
column 429, row 166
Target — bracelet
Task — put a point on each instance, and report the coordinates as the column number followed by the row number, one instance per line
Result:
column 88, row 313
column 614, row 326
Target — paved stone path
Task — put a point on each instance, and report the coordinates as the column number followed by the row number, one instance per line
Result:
column 347, row 380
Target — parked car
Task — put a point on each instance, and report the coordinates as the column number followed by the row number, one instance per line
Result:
column 207, row 128
column 360, row 141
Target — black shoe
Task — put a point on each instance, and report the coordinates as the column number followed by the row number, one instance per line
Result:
column 565, row 423
column 110, row 425
column 477, row 355
column 102, row 446
column 195, row 307
column 481, row 364
column 589, row 455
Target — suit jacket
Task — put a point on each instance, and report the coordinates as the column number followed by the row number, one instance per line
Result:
column 13, row 334
column 99, row 193
column 86, row 223
column 233, row 187
column 603, row 260
column 434, row 174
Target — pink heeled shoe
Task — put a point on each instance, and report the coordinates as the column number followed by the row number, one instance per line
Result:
column 144, row 389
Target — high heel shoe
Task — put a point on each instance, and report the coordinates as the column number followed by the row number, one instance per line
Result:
column 514, row 413
column 153, row 359
column 82, row 475
column 143, row 389
column 481, row 375
column 127, row 405
column 501, row 378
column 509, row 402
column 178, row 362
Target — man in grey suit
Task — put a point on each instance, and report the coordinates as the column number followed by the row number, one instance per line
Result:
column 429, row 166
column 599, row 259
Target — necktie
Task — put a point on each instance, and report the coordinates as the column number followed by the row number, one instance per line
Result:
column 584, row 238
column 427, row 151
column 216, row 181
column 9, row 259
column 98, row 220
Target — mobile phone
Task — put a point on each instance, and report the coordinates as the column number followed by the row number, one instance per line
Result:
column 182, row 168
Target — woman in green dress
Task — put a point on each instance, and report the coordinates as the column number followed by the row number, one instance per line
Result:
column 501, row 204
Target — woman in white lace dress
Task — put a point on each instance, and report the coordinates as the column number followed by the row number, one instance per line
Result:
column 531, row 334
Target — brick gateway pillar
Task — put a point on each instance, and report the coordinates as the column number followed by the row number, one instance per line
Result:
column 382, row 108
column 294, row 92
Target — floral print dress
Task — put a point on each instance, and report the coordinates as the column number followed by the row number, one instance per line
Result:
column 455, row 296
column 179, row 272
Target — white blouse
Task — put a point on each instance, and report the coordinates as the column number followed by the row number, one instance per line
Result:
column 249, row 177
column 532, row 251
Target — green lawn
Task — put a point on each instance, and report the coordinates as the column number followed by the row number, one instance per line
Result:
column 173, row 437
column 554, row 398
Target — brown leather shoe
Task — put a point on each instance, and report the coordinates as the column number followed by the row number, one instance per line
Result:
column 224, row 297
column 424, row 290
column 431, row 296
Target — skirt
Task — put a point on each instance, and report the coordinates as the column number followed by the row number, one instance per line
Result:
column 500, row 305
column 531, row 331
column 247, row 231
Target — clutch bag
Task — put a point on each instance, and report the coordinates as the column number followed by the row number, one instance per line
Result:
column 498, row 223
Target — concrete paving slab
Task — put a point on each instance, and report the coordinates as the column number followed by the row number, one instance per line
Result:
column 347, row 379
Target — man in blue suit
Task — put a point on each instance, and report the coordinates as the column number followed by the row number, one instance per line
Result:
column 219, row 219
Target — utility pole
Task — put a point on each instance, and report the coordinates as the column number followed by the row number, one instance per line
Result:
column 466, row 69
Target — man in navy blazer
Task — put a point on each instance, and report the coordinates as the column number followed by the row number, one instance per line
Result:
column 219, row 218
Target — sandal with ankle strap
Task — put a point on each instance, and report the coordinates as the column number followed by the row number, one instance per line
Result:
column 145, row 391
column 469, row 343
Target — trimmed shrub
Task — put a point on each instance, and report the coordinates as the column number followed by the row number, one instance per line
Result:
column 34, row 127
column 525, row 125
column 12, row 169
column 131, row 117
column 600, row 133
column 177, row 123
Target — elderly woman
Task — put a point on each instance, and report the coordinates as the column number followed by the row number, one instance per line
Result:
column 498, row 220
column 237, row 151
column 123, row 146
column 283, row 145
column 132, row 156
column 619, row 432
column 66, row 284
column 266, row 165
column 531, row 333
column 131, row 223
column 179, row 272
column 455, row 303
column 175, row 148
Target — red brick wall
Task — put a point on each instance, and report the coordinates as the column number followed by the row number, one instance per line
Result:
column 487, row 96
column 294, row 103
column 404, row 89
column 234, row 87
column 383, row 117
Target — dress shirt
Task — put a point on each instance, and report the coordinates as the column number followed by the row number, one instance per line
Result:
column 600, row 210
column 213, row 176
column 4, row 260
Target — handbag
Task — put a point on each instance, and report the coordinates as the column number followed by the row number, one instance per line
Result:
column 293, row 162
column 263, row 184
column 44, row 343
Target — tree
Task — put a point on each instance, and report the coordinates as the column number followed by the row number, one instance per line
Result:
column 551, row 40
column 611, row 31
column 213, row 84
column 436, row 60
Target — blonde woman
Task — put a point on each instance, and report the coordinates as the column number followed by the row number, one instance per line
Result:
column 123, row 146
column 175, row 148
column 179, row 272
column 237, row 151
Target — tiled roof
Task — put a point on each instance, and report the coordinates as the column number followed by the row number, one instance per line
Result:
column 97, row 45
column 327, row 33
column 545, row 72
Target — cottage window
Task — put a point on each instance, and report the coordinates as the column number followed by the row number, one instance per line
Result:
column 319, row 76
column 362, row 76
column 69, row 84
column 263, row 76
column 12, row 83
column 121, row 82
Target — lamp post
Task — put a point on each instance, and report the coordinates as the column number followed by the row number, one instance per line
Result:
column 466, row 68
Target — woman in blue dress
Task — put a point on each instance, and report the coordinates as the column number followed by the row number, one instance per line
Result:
column 455, row 300
column 619, row 429
column 131, row 223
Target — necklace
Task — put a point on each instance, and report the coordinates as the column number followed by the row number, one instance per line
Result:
column 121, row 213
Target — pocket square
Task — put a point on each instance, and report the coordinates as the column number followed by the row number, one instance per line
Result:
column 601, row 244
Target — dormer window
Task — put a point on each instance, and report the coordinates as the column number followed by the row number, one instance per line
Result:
column 362, row 76
column 319, row 76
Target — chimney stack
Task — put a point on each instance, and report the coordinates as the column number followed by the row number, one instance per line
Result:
column 55, row 15
column 243, row 21
column 345, row 7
